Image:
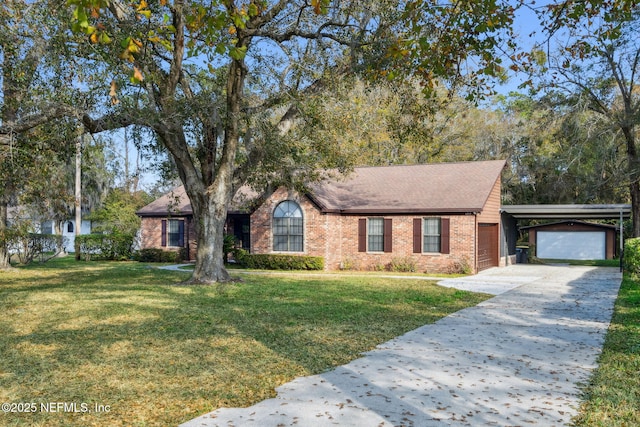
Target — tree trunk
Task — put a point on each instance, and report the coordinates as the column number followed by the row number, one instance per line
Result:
column 210, row 206
column 78, row 196
column 4, row 223
column 210, row 214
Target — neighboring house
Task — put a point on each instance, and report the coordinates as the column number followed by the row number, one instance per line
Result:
column 440, row 217
column 577, row 240
column 67, row 228
column 68, row 231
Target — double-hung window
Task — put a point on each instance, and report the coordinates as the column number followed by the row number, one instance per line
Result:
column 288, row 227
column 173, row 232
column 431, row 235
column 375, row 235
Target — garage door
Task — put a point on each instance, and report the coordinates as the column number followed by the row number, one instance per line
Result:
column 487, row 246
column 571, row 244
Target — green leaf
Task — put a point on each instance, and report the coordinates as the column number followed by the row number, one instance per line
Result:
column 221, row 48
column 104, row 38
column 238, row 53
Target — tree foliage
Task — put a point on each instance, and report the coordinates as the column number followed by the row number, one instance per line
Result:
column 245, row 91
column 118, row 213
column 597, row 67
column 224, row 84
column 35, row 91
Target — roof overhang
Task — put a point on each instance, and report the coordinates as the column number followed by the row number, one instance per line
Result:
column 613, row 211
column 403, row 211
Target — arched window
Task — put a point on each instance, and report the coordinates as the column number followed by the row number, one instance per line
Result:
column 69, row 227
column 288, row 229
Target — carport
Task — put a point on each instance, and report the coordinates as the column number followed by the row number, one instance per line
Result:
column 512, row 213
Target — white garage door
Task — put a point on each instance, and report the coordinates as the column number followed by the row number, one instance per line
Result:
column 571, row 244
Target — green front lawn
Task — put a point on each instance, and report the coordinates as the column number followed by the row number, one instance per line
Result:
column 613, row 394
column 123, row 337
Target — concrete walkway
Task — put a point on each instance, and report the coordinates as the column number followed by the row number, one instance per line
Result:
column 513, row 360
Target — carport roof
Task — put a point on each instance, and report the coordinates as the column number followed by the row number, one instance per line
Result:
column 567, row 211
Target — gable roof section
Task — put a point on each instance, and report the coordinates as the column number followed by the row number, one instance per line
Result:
column 430, row 188
column 175, row 203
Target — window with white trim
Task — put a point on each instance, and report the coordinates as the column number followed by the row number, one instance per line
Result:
column 288, row 227
column 173, row 233
column 375, row 235
column 175, row 229
column 431, row 236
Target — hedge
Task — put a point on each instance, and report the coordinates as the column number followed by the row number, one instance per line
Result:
column 632, row 255
column 105, row 246
column 32, row 246
column 279, row 261
column 159, row 255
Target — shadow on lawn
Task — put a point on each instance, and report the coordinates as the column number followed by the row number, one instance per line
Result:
column 312, row 327
column 118, row 334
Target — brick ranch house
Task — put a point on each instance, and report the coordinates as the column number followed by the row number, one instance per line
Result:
column 443, row 217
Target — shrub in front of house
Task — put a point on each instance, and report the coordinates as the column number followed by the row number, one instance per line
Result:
column 632, row 255
column 278, row 261
column 105, row 246
column 33, row 246
column 402, row 265
column 158, row 255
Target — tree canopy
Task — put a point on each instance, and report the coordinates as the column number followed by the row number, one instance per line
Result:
column 223, row 84
column 269, row 92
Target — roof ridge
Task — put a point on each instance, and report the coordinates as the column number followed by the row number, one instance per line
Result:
column 428, row 164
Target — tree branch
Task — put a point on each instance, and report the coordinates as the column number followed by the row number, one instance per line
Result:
column 110, row 122
column 47, row 113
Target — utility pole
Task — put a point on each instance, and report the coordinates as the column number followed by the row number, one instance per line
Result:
column 126, row 163
column 78, row 198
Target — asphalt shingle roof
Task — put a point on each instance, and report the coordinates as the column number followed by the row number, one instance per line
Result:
column 174, row 202
column 441, row 187
column 437, row 187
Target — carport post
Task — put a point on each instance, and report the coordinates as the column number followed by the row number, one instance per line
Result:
column 621, row 240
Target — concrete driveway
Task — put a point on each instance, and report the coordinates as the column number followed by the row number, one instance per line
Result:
column 513, row 360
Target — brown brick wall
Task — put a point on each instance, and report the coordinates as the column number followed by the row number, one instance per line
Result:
column 461, row 250
column 151, row 235
column 316, row 225
column 335, row 237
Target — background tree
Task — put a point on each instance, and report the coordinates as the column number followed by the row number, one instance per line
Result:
column 598, row 67
column 222, row 83
column 31, row 92
column 118, row 212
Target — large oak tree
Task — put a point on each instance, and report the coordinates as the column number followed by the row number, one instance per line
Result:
column 219, row 82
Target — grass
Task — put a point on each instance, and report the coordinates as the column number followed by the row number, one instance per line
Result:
column 612, row 397
column 121, row 336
